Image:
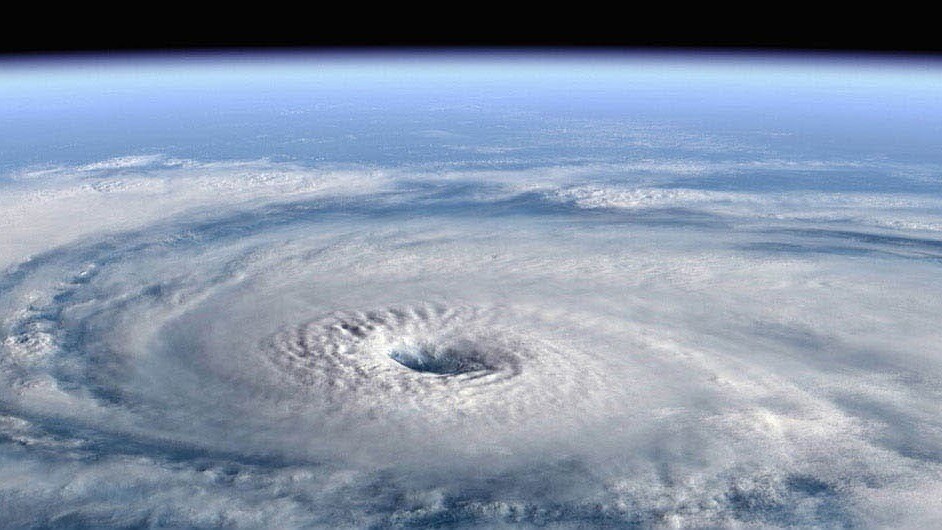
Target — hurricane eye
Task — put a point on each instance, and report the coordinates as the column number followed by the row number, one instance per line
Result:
column 439, row 359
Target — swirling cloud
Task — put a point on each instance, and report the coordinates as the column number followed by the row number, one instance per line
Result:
column 264, row 344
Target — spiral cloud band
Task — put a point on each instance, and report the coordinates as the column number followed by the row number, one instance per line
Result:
column 654, row 340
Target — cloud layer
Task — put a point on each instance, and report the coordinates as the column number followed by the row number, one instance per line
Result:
column 258, row 343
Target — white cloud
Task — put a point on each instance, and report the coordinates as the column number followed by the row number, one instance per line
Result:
column 193, row 343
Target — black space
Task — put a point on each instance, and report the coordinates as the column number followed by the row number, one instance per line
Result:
column 767, row 27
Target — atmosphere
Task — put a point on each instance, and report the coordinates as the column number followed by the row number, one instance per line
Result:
column 471, row 289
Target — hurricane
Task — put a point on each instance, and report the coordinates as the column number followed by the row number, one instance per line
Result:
column 471, row 290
